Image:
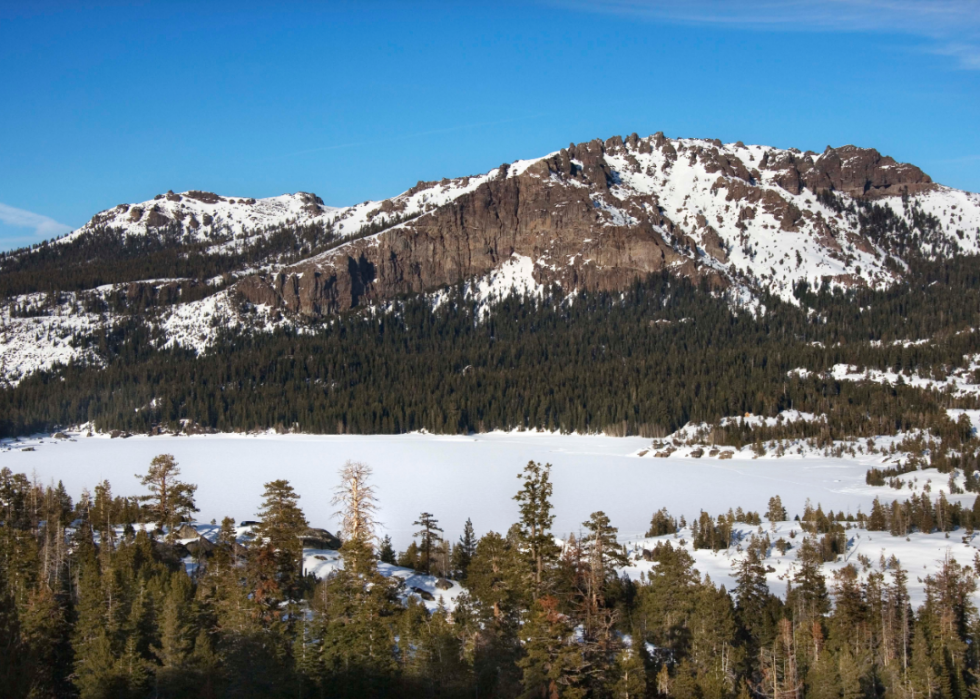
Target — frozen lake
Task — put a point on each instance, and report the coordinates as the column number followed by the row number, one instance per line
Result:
column 455, row 477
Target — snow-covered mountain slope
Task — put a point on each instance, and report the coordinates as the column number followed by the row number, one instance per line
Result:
column 205, row 216
column 596, row 215
column 219, row 221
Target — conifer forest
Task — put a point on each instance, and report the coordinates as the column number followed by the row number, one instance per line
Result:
column 111, row 596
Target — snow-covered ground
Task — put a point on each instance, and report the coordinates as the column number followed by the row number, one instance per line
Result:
column 430, row 590
column 456, row 477
column 425, row 588
column 959, row 382
column 920, row 556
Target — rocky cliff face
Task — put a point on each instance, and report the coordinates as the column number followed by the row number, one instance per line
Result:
column 597, row 215
column 524, row 214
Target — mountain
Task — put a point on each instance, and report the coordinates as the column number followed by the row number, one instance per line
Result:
column 745, row 223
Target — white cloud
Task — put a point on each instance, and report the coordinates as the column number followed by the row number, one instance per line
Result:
column 952, row 27
column 43, row 226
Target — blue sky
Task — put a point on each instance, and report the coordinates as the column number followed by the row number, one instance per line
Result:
column 111, row 102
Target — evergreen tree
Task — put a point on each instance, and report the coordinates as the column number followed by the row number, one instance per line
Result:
column 630, row 680
column 878, row 519
column 281, row 523
column 428, row 537
column 46, row 632
column 602, row 554
column 13, row 677
column 776, row 512
column 536, row 518
column 464, row 551
column 809, row 598
column 170, row 499
column 175, row 630
column 386, row 554
column 661, row 523
column 553, row 665
column 755, row 603
column 353, row 613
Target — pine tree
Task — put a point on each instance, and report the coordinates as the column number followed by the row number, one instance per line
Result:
column 205, row 661
column 878, row 519
column 602, row 554
column 13, row 675
column 553, row 665
column 46, row 631
column 353, row 614
column 630, row 679
column 536, row 518
column 809, row 598
column 175, row 634
column 464, row 550
column 428, row 537
column 386, row 554
column 661, row 523
column 776, row 512
column 95, row 673
column 754, row 601
column 282, row 521
column 170, row 499
column 496, row 580
column 101, row 512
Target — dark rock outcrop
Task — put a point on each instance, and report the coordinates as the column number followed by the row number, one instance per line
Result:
column 859, row 172
column 206, row 197
column 556, row 211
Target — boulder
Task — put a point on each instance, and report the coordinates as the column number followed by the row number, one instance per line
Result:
column 427, row 596
column 186, row 531
column 319, row 539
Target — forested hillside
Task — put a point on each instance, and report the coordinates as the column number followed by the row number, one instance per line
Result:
column 645, row 361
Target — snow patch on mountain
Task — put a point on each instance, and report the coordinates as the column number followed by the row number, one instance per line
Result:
column 959, row 382
column 756, row 242
column 31, row 344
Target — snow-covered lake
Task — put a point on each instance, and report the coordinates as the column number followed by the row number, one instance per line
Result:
column 456, row 477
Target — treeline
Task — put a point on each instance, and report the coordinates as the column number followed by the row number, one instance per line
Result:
column 95, row 604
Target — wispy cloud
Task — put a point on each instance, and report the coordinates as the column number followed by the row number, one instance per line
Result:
column 950, row 27
column 43, row 226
